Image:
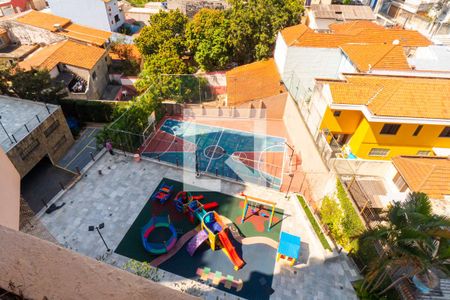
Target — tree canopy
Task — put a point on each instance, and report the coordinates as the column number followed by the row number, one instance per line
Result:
column 212, row 40
column 207, row 38
column 166, row 28
column 255, row 23
column 414, row 241
column 34, row 85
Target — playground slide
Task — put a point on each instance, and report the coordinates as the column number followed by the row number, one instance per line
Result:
column 196, row 241
column 234, row 257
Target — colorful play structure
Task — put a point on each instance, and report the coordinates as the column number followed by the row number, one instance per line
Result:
column 248, row 200
column 289, row 247
column 217, row 278
column 212, row 227
column 184, row 201
column 162, row 194
column 152, row 225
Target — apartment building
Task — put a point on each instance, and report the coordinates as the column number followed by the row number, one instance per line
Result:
column 430, row 17
column 380, row 117
column 99, row 14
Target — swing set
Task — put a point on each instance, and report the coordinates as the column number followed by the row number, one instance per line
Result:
column 249, row 199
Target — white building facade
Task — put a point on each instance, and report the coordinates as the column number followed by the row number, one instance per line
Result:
column 99, row 14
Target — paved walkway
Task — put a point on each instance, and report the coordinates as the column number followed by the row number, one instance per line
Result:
column 116, row 197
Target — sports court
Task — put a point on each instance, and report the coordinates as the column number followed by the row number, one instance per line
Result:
column 238, row 155
column 80, row 153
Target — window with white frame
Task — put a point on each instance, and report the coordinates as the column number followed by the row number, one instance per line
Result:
column 380, row 152
column 423, row 153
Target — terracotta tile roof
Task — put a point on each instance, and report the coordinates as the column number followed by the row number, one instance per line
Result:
column 253, row 81
column 353, row 27
column 69, row 29
column 395, row 96
column 293, row 33
column 86, row 34
column 354, row 32
column 66, row 52
column 378, row 56
column 425, row 174
column 43, row 20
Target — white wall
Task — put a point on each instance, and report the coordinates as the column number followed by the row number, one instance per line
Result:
column 112, row 9
column 321, row 181
column 280, row 53
column 54, row 72
column 90, row 13
column 323, row 24
column 309, row 62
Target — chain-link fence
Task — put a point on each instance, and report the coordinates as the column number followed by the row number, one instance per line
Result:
column 188, row 88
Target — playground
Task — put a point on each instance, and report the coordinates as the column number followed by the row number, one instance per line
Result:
column 185, row 227
column 230, row 153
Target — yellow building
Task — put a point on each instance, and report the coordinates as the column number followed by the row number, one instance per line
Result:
column 379, row 117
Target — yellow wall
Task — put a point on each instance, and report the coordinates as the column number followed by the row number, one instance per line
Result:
column 403, row 143
column 366, row 135
column 346, row 123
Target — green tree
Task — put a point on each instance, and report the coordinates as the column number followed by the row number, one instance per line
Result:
column 254, row 25
column 34, row 85
column 166, row 28
column 412, row 241
column 129, row 59
column 5, row 77
column 207, row 39
column 158, row 72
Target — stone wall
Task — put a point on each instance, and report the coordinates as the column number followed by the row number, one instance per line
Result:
column 37, row 269
column 28, row 35
column 51, row 137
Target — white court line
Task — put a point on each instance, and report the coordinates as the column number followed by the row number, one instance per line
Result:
column 260, row 160
column 170, row 145
column 215, row 148
column 232, row 129
column 283, row 166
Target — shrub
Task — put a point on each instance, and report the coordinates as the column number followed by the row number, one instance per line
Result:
column 331, row 215
column 314, row 224
column 143, row 269
column 91, row 110
column 351, row 223
column 342, row 219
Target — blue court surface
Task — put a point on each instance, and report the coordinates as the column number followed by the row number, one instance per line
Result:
column 237, row 155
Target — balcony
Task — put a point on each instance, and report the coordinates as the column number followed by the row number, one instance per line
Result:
column 414, row 6
column 75, row 85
